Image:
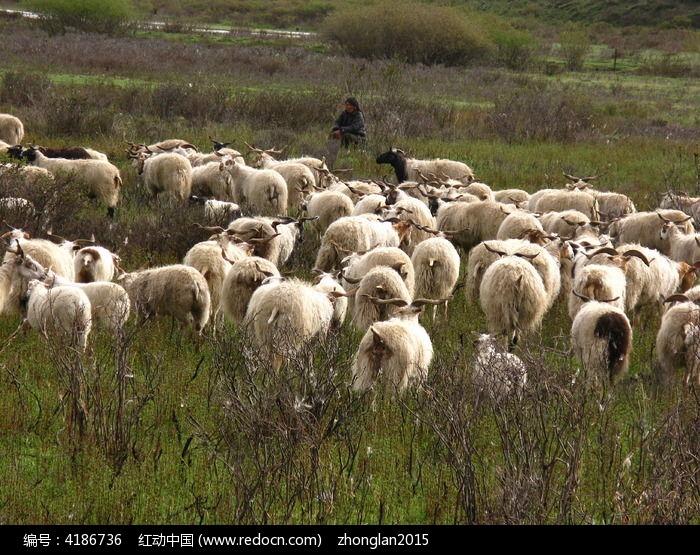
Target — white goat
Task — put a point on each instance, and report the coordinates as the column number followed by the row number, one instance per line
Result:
column 517, row 224
column 357, row 234
column 546, row 263
column 11, row 129
column 259, row 192
column 479, row 190
column 95, row 263
column 436, row 266
column 470, row 223
column 176, row 290
column 101, row 177
column 417, row 213
column 499, row 374
column 518, row 197
column 284, row 317
column 299, row 177
column 558, row 200
column 370, row 204
column 167, row 173
column 217, row 212
column 678, row 344
column 209, row 181
column 604, row 283
column 62, row 311
column 683, row 247
column 259, row 233
column 110, row 305
column 244, row 277
column 650, row 276
column 613, row 205
column 513, row 298
column 644, row 228
column 328, row 283
column 357, row 265
column 44, row 252
column 601, row 337
column 328, row 206
column 265, row 158
column 412, row 169
column 375, row 297
column 395, row 353
column 355, row 189
column 210, row 259
column 16, row 265
column 565, row 223
column 681, row 201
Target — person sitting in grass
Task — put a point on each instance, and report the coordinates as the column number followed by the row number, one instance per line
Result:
column 350, row 125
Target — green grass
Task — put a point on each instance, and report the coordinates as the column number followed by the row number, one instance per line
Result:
column 398, row 474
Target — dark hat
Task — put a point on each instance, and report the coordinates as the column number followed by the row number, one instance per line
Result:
column 352, row 100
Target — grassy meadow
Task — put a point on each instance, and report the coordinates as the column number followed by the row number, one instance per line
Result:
column 160, row 426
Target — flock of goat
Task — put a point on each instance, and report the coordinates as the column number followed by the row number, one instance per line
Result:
column 386, row 251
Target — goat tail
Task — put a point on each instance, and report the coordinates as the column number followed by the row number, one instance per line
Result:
column 615, row 329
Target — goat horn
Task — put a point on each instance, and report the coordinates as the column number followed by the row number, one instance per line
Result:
column 266, row 273
column 261, row 240
column 214, row 229
column 605, row 250
column 350, row 280
column 252, row 148
column 17, row 250
column 393, row 301
column 422, row 301
column 56, row 238
column 638, row 254
column 677, row 298
column 79, row 243
column 661, row 216
column 573, row 224
column 491, row 249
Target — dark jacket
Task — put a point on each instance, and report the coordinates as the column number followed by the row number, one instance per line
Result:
column 351, row 122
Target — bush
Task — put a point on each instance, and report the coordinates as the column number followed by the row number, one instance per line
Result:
column 575, row 46
column 667, row 65
column 410, row 32
column 532, row 113
column 75, row 110
column 24, row 89
column 514, row 49
column 59, row 16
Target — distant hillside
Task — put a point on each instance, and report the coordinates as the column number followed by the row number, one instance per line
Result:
column 308, row 14
column 683, row 13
